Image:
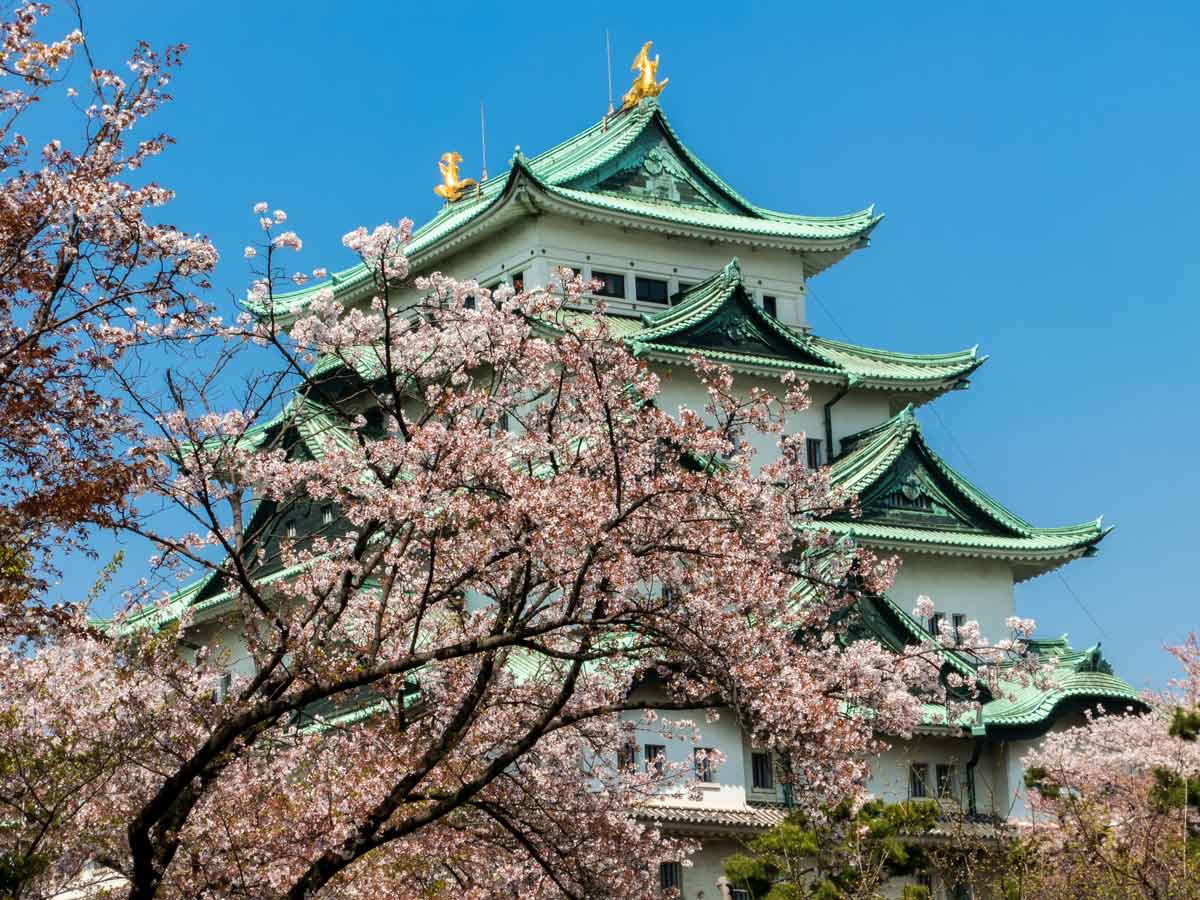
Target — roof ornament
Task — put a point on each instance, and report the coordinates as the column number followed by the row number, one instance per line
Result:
column 452, row 187
column 645, row 85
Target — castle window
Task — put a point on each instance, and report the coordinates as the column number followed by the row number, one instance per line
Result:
column 935, row 624
column 627, row 755
column 918, row 781
column 947, row 781
column 702, row 761
column 469, row 301
column 959, row 620
column 812, row 447
column 656, row 758
column 611, row 285
column 518, row 281
column 670, row 875
column 770, row 305
column 289, row 528
column 327, row 514
column 650, row 290
column 762, row 770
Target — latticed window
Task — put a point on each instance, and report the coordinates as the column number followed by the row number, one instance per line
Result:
column 762, row 770
column 611, row 284
column 935, row 623
column 812, row 449
column 918, row 780
column 650, row 290
column 702, row 760
column 947, row 781
column 958, row 620
column 627, row 755
column 670, row 875
column 327, row 514
column 656, row 758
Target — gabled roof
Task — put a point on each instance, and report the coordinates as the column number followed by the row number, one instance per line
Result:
column 718, row 319
column 629, row 169
column 911, row 499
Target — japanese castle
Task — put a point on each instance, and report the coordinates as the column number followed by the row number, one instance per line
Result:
column 688, row 265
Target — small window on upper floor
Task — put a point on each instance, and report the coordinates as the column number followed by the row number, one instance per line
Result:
column 656, row 759
column 812, row 449
column 670, row 876
column 627, row 755
column 650, row 290
column 935, row 624
column 770, row 305
column 918, row 781
column 469, row 301
column 705, row 764
column 959, row 621
column 947, row 781
column 611, row 284
column 518, row 281
column 762, row 770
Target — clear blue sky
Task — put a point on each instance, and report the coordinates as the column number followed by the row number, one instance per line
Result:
column 1037, row 164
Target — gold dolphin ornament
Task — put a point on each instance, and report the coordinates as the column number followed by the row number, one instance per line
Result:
column 645, row 84
column 452, row 187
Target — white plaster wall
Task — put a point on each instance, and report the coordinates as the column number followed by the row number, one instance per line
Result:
column 854, row 412
column 980, row 589
column 702, row 879
column 889, row 772
column 729, row 787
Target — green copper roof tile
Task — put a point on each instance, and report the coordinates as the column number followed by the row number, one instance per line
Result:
column 958, row 518
column 556, row 175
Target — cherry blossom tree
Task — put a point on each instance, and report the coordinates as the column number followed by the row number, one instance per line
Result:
column 524, row 544
column 86, row 280
column 509, row 549
column 1119, row 799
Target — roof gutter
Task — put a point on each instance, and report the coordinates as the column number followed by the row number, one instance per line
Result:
column 851, row 381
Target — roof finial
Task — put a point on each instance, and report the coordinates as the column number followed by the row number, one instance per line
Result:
column 452, row 187
column 645, row 85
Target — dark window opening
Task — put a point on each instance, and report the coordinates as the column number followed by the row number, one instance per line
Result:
column 518, row 282
column 935, row 624
column 812, row 447
column 918, row 781
column 947, row 781
column 770, row 305
column 611, row 284
column 702, row 760
column 959, row 621
column 327, row 514
column 656, row 758
column 627, row 756
column 762, row 771
column 670, row 875
column 650, row 290
column 469, row 301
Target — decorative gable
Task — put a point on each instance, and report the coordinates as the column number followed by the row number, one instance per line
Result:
column 911, row 492
column 651, row 169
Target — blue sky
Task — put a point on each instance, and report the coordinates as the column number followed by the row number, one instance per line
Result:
column 1037, row 164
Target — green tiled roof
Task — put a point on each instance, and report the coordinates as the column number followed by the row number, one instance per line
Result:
column 573, row 175
column 718, row 319
column 946, row 513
